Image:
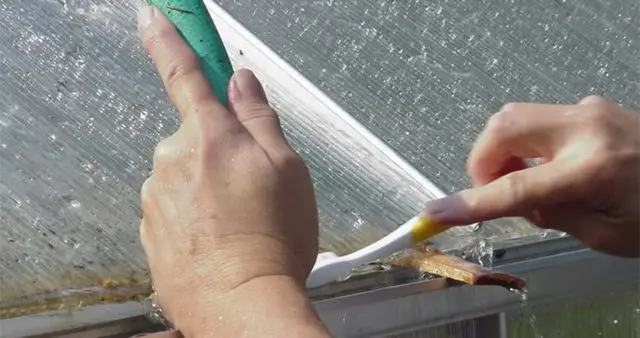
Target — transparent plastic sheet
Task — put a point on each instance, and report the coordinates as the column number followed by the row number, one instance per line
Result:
column 79, row 127
column 81, row 110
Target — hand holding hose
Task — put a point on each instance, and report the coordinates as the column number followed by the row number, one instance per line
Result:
column 230, row 225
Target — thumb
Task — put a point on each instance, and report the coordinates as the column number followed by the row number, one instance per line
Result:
column 247, row 100
column 512, row 195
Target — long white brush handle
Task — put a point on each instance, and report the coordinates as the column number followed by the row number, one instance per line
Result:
column 395, row 241
column 328, row 270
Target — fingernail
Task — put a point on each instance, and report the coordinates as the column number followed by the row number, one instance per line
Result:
column 146, row 13
column 449, row 210
column 245, row 86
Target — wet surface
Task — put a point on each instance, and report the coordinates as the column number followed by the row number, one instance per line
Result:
column 81, row 110
column 425, row 75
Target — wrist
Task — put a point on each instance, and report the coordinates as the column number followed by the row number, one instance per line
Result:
column 267, row 306
column 236, row 263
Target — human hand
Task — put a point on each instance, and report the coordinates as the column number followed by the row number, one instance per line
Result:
column 587, row 182
column 229, row 202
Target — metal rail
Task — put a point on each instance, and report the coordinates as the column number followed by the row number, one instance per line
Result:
column 387, row 308
column 580, row 275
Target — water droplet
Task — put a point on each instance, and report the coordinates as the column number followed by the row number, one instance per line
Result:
column 52, row 137
column 87, row 166
column 532, row 320
column 358, row 223
column 345, row 277
column 523, row 294
column 75, row 204
column 484, row 252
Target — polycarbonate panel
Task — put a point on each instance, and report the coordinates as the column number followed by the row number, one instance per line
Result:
column 81, row 109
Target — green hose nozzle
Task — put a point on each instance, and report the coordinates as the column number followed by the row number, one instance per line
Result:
column 193, row 22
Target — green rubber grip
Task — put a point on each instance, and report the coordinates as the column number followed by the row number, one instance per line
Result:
column 193, row 22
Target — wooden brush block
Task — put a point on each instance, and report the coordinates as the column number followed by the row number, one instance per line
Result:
column 458, row 269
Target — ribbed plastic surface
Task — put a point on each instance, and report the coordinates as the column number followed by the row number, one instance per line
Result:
column 81, row 109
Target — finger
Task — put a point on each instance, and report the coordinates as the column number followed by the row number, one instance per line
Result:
column 518, row 131
column 247, row 100
column 179, row 67
column 593, row 99
column 516, row 194
column 510, row 165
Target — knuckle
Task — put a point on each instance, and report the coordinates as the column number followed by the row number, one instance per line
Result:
column 150, row 41
column 510, row 107
column 515, row 187
column 289, row 164
column 165, row 153
column 594, row 99
column 500, row 122
column 143, row 232
column 289, row 161
column 256, row 111
column 146, row 194
column 156, row 37
column 597, row 114
column 597, row 100
column 147, row 238
column 594, row 123
column 474, row 201
column 179, row 67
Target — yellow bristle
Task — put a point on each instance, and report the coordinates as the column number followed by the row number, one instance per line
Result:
column 425, row 228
